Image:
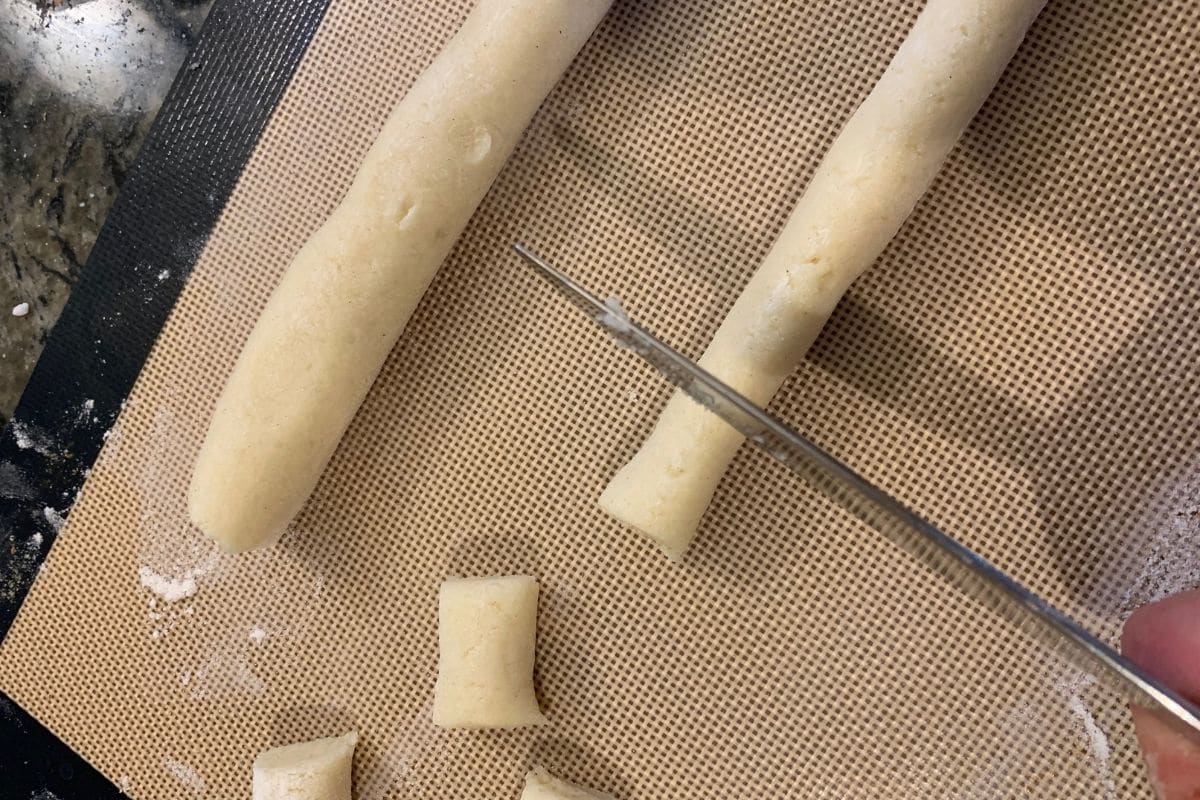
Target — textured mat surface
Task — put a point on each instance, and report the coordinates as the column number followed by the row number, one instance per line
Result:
column 1019, row 367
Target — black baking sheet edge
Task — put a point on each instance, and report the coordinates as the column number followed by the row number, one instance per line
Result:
column 209, row 123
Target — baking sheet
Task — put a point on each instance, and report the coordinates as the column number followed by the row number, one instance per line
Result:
column 1019, row 367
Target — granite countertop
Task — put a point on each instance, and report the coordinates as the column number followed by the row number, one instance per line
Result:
column 80, row 84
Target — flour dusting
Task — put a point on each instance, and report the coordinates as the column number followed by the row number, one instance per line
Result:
column 31, row 437
column 175, row 559
column 1072, row 689
column 86, row 413
column 169, row 589
column 223, row 674
column 186, row 775
column 1171, row 565
column 55, row 519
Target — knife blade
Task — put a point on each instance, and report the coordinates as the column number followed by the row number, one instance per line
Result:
column 942, row 554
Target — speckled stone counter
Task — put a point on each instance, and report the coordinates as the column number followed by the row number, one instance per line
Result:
column 80, row 83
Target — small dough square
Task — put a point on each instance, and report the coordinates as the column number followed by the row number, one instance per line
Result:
column 541, row 785
column 316, row 770
column 487, row 631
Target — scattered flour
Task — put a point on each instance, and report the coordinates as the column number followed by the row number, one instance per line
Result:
column 21, row 436
column 171, row 589
column 258, row 635
column 223, row 674
column 86, row 410
column 1170, row 564
column 30, row 437
column 55, row 519
column 186, row 775
column 1072, row 689
column 112, row 439
column 174, row 557
column 163, row 275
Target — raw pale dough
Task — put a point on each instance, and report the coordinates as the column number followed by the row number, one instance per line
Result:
column 345, row 299
column 316, row 770
column 541, row 785
column 866, row 186
column 487, row 631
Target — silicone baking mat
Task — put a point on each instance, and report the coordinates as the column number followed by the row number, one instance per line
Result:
column 1019, row 367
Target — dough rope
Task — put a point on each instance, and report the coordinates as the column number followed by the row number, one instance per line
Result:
column 348, row 294
column 865, row 187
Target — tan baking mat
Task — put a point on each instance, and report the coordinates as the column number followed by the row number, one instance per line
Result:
column 1020, row 367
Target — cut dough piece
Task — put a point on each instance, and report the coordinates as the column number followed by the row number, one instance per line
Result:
column 867, row 184
column 316, row 770
column 541, row 785
column 487, row 632
column 348, row 294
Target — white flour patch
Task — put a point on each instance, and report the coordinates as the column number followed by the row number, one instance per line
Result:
column 31, row 437
column 85, row 415
column 186, row 775
column 175, row 559
column 168, row 589
column 1072, row 688
column 173, row 588
column 55, row 519
column 258, row 635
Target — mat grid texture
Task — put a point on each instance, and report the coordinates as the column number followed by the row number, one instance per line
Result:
column 1019, row 367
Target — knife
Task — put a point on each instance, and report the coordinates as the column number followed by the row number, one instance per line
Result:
column 938, row 551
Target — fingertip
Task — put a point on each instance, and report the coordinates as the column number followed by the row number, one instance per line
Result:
column 1164, row 639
